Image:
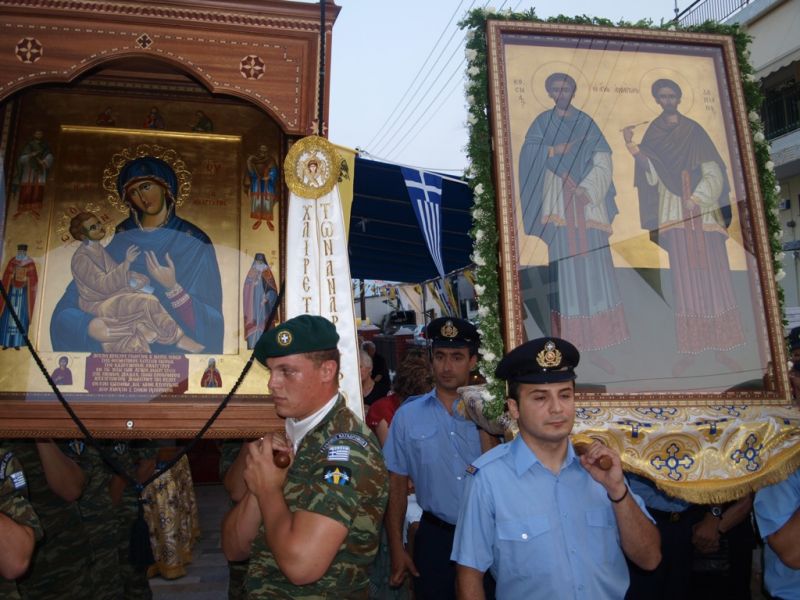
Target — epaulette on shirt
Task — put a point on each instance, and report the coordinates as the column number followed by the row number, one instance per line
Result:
column 488, row 457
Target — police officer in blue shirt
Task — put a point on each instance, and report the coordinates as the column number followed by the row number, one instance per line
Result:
column 777, row 509
column 432, row 445
column 547, row 523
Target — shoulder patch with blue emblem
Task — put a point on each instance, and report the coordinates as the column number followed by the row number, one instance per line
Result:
column 472, row 469
column 77, row 447
column 337, row 475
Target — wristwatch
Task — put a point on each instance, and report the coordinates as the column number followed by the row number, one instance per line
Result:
column 716, row 511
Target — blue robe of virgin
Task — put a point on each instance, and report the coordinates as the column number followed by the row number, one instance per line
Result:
column 196, row 271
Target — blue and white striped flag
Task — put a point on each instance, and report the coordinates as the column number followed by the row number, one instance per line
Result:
column 425, row 192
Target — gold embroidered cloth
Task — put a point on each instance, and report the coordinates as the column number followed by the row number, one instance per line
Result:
column 701, row 454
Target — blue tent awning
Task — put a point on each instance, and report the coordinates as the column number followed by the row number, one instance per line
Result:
column 385, row 238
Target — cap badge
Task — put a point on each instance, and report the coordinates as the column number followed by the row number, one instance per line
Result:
column 449, row 330
column 284, row 338
column 549, row 357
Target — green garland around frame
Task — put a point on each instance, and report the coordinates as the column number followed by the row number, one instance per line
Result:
column 484, row 230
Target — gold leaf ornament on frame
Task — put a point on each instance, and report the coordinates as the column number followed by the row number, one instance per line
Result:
column 311, row 167
column 122, row 158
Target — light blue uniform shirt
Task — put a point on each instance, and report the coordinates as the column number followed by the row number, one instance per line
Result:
column 774, row 506
column 654, row 497
column 542, row 535
column 433, row 448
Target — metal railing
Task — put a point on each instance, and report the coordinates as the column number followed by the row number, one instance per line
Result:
column 701, row 11
column 781, row 111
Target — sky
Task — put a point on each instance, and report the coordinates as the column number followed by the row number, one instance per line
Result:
column 397, row 72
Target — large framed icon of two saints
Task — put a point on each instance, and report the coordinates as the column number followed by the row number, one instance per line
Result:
column 631, row 221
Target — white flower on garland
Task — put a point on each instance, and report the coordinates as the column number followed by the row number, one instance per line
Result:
column 471, row 54
column 671, row 28
column 780, row 256
column 489, row 356
column 780, row 274
column 477, row 213
column 479, row 189
column 776, row 212
column 750, row 77
column 770, row 166
column 471, row 119
column 754, row 116
column 479, row 235
column 470, row 100
column 778, row 189
column 779, row 234
column 472, row 71
column 486, row 395
column 478, row 259
column 759, row 137
column 480, row 290
column 483, row 311
column 470, row 35
column 490, row 10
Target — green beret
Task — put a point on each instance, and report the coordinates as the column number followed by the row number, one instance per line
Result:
column 305, row 333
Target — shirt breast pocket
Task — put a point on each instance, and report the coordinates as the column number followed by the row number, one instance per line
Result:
column 603, row 533
column 525, row 545
column 423, row 443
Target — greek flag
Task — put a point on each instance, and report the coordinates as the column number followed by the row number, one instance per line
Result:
column 425, row 192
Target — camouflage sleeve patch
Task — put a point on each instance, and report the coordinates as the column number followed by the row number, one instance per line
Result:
column 13, row 494
column 341, row 476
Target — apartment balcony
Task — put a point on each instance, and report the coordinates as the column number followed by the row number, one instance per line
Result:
column 781, row 110
column 701, row 11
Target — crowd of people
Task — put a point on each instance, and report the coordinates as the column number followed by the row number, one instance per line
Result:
column 66, row 517
column 464, row 514
column 414, row 501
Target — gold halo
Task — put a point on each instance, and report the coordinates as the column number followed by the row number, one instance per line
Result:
column 647, row 80
column 122, row 158
column 541, row 74
column 297, row 167
column 64, row 219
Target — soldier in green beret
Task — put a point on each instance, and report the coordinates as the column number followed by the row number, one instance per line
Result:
column 310, row 530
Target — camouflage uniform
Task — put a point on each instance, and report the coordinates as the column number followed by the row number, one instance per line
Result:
column 134, row 579
column 98, row 518
column 237, row 570
column 338, row 472
column 60, row 565
column 14, row 504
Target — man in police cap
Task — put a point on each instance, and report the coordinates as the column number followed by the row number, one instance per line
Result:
column 549, row 524
column 312, row 530
column 431, row 444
